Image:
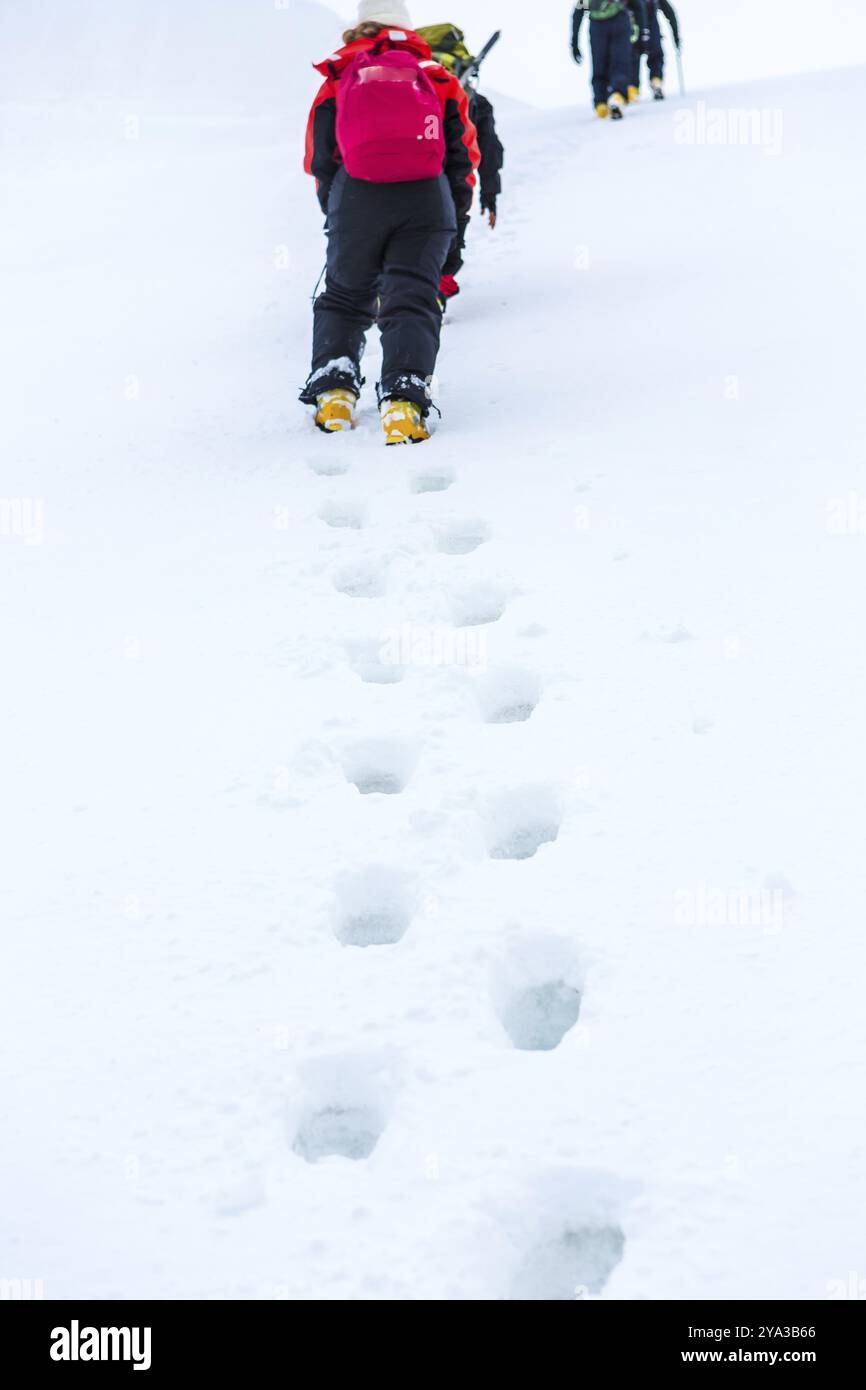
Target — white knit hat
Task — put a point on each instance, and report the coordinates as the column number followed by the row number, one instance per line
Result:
column 384, row 12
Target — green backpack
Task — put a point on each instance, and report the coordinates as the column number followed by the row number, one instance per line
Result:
column 604, row 9
column 447, row 46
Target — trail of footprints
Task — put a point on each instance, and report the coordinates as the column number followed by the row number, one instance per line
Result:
column 375, row 906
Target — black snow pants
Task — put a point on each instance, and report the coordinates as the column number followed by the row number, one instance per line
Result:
column 656, row 54
column 610, row 44
column 387, row 244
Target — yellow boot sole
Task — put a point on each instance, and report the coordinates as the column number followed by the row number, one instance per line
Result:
column 335, row 411
column 403, row 423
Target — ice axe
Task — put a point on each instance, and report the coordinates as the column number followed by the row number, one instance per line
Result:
column 470, row 72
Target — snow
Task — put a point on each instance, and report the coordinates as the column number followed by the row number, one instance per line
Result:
column 431, row 876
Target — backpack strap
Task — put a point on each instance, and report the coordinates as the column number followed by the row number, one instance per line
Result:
column 388, row 37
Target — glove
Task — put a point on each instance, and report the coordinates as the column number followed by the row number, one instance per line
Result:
column 448, row 287
column 577, row 56
column 489, row 205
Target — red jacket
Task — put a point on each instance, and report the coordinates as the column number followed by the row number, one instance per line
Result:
column 462, row 156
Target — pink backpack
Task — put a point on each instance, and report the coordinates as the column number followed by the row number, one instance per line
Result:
column 389, row 119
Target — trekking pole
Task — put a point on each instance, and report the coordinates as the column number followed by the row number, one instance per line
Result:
column 680, row 71
column 318, row 283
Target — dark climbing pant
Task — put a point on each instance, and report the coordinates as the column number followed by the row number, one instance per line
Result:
column 387, row 244
column 610, row 44
column 656, row 54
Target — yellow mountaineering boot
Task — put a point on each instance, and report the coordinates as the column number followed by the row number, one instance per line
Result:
column 403, row 422
column 601, row 109
column 335, row 409
column 633, row 95
column 616, row 102
column 658, row 88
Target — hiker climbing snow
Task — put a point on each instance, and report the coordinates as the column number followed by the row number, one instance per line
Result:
column 614, row 27
column 653, row 48
column 448, row 46
column 394, row 153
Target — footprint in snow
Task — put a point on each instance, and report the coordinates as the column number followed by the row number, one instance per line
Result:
column 567, row 1266
column 461, row 537
column 373, row 907
column 478, row 604
column 536, row 989
column 371, row 660
column 575, row 1237
column 330, row 463
column 431, row 478
column 508, row 696
column 379, row 765
column 343, row 1107
column 537, row 1017
column 347, row 1131
column 363, row 579
column 342, row 513
column 521, row 821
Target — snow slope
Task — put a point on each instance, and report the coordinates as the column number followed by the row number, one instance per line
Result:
column 270, row 696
